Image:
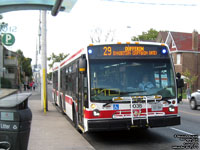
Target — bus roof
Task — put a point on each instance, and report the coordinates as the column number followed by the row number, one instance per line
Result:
column 133, row 42
column 78, row 53
column 71, row 57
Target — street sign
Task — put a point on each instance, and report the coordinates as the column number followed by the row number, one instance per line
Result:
column 8, row 39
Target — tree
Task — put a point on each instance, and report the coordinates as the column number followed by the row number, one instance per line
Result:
column 56, row 58
column 190, row 79
column 150, row 35
column 99, row 35
column 25, row 64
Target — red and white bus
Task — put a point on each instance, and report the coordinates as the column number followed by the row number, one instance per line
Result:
column 99, row 87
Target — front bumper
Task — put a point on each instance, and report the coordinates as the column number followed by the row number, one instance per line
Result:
column 124, row 124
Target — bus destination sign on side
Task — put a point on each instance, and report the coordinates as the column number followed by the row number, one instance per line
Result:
column 108, row 51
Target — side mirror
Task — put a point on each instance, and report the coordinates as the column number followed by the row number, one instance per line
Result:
column 82, row 65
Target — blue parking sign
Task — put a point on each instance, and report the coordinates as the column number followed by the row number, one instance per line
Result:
column 115, row 106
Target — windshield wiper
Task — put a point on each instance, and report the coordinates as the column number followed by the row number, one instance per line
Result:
column 166, row 99
column 104, row 105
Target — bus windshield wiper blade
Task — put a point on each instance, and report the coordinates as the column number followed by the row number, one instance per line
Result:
column 166, row 99
column 104, row 105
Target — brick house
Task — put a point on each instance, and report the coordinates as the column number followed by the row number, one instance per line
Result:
column 185, row 50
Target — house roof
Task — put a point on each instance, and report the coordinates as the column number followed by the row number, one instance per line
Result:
column 183, row 41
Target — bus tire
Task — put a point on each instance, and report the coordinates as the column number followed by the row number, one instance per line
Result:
column 193, row 104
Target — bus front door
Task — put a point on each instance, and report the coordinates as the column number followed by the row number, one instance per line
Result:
column 80, row 100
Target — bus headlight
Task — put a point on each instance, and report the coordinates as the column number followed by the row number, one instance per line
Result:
column 93, row 106
column 96, row 113
column 171, row 108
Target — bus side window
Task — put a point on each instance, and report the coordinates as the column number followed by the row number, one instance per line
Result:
column 70, row 81
column 61, row 79
column 67, row 80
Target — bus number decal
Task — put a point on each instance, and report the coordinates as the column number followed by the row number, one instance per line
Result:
column 107, row 51
column 136, row 105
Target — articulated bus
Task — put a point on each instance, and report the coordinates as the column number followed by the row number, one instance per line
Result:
column 117, row 86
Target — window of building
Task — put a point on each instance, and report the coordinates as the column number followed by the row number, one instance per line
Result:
column 178, row 59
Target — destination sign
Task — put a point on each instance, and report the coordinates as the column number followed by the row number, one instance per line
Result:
column 128, row 51
column 125, row 50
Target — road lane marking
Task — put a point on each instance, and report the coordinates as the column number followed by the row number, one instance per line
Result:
column 189, row 113
column 183, row 131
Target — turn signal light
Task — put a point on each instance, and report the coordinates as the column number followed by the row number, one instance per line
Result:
column 173, row 102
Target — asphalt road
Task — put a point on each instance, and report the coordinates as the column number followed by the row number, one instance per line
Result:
column 165, row 138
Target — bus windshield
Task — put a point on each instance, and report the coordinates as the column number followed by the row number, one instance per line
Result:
column 114, row 78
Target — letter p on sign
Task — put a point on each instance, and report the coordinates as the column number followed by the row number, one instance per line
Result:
column 8, row 39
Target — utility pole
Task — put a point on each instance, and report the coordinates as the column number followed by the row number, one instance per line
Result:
column 44, row 101
column 36, row 63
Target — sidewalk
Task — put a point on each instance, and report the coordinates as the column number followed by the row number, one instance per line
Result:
column 52, row 131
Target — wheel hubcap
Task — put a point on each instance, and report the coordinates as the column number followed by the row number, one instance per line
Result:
column 192, row 104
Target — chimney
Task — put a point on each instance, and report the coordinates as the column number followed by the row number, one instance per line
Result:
column 195, row 40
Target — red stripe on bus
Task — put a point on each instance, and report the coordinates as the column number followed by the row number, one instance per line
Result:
column 72, row 57
column 110, row 113
column 55, row 68
column 68, row 100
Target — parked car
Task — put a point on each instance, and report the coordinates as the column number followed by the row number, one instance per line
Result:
column 195, row 100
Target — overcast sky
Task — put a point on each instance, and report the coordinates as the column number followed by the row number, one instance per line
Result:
column 69, row 32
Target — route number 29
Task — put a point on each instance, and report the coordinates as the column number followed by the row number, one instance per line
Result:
column 107, row 51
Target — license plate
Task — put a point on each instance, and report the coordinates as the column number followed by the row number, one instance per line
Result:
column 156, row 107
